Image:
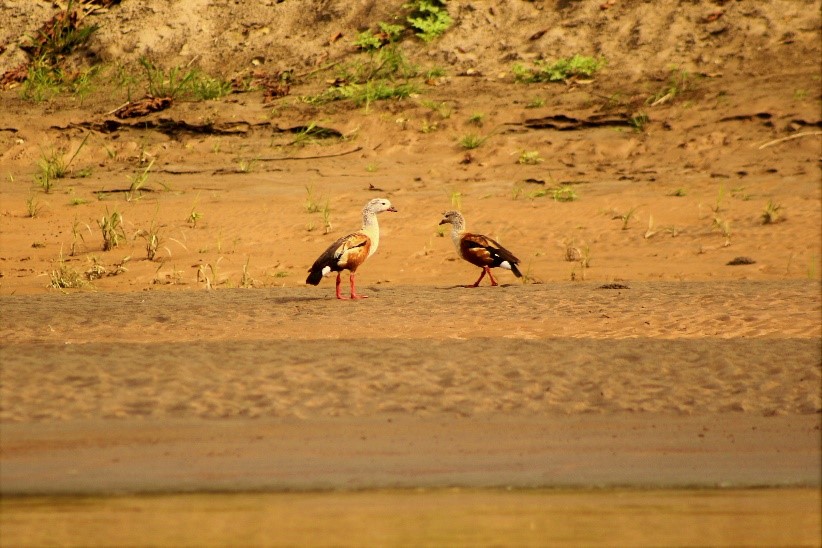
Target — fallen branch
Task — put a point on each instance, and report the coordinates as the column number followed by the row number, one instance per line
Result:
column 789, row 137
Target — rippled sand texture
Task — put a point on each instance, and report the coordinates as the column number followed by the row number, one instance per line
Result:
column 684, row 348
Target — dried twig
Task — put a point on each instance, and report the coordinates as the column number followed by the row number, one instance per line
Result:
column 273, row 159
column 789, row 137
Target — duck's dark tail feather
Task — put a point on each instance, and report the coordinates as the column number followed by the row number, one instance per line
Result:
column 515, row 270
column 315, row 275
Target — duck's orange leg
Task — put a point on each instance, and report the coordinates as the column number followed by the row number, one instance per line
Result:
column 493, row 281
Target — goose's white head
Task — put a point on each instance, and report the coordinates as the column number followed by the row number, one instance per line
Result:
column 378, row 205
column 454, row 218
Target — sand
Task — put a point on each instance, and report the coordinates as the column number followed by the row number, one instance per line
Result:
column 572, row 385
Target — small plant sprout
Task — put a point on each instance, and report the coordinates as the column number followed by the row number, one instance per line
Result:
column 639, row 120
column 246, row 166
column 626, row 217
column 77, row 236
column 564, row 193
column 33, row 206
column 428, row 18
column 371, row 167
column 152, row 238
column 312, row 203
column 178, row 83
column 529, row 158
column 517, row 190
column 576, row 67
column 536, row 102
column 582, row 256
column 194, row 216
column 723, row 226
column 771, row 214
column 370, row 41
column 471, row 141
column 679, row 193
column 138, row 181
column 54, row 166
column 65, row 277
column 111, row 225
column 456, row 199
column 476, row 119
column 442, row 109
column 528, row 276
column 326, row 213
column 679, row 82
column 207, row 273
column 719, row 197
column 246, row 280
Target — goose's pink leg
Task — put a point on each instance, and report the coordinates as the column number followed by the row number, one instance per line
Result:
column 339, row 295
column 476, row 284
column 493, row 281
column 354, row 291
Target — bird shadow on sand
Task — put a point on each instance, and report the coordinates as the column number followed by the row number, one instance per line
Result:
column 478, row 288
column 287, row 300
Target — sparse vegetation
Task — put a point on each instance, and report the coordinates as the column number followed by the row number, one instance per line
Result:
column 246, row 280
column 54, row 165
column 372, row 41
column 724, row 227
column 428, row 18
column 77, row 236
column 33, row 206
column 455, row 197
column 138, row 182
column 529, row 158
column 679, row 82
column 564, row 193
column 639, row 120
column 152, row 238
column 326, row 214
column 64, row 276
column 471, row 141
column 48, row 49
column 719, row 197
column 442, row 109
column 772, row 213
column 182, row 84
column 312, row 203
column 386, row 74
column 111, row 226
column 581, row 256
column 562, row 70
column 194, row 216
column 626, row 217
column 476, row 119
column 246, row 166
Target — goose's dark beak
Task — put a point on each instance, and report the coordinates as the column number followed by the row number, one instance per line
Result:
column 392, row 208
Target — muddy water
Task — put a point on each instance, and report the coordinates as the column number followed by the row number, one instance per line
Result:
column 767, row 517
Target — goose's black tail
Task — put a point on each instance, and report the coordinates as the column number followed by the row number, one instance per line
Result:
column 315, row 275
